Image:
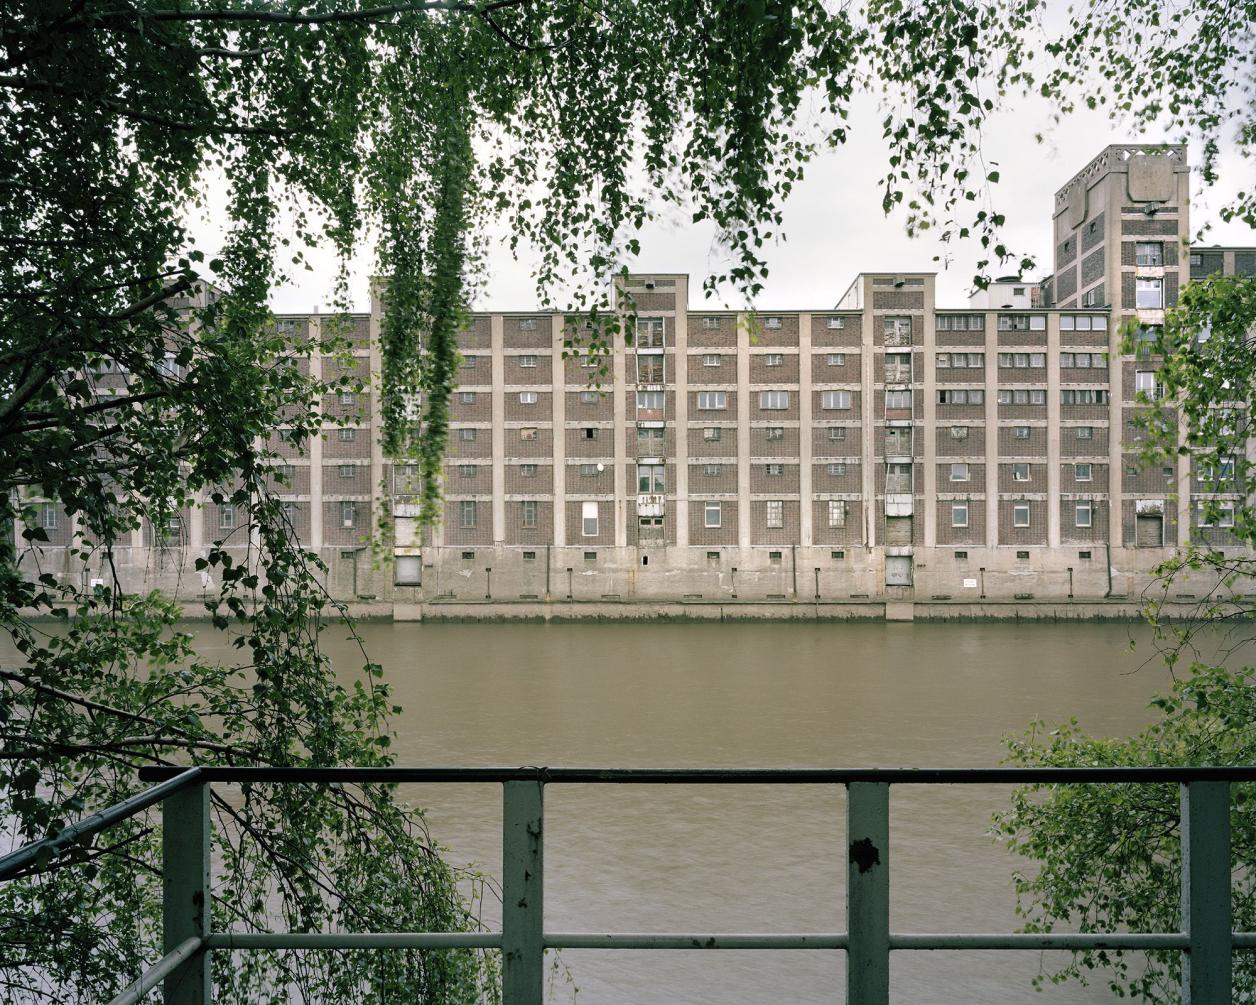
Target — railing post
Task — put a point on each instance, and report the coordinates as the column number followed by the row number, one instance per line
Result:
column 868, row 893
column 1206, row 971
column 185, row 890
column 523, row 947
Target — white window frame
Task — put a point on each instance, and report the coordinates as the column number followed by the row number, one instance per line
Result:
column 835, row 359
column 1021, row 472
column 959, row 506
column 1148, row 293
column 527, row 361
column 712, row 359
column 774, row 514
column 527, row 433
column 589, row 518
column 712, row 401
column 774, row 359
column 1081, row 508
column 1083, row 471
column 832, row 401
column 711, row 434
column 348, row 513
column 774, row 432
column 773, row 401
column 1017, row 509
column 528, row 397
column 712, row 514
column 837, row 513
column 961, row 471
column 466, row 514
column 529, row 510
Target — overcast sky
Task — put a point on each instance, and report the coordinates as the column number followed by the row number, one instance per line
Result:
column 835, row 228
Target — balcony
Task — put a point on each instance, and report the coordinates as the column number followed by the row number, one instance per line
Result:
column 651, row 504
column 1204, row 827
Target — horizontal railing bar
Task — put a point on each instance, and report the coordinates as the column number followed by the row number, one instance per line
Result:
column 720, row 776
column 155, row 974
column 669, row 940
column 354, row 940
column 21, row 859
column 1244, row 940
column 1041, row 940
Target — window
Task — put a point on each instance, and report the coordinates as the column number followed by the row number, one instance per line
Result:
column 835, row 400
column 1083, row 514
column 289, row 515
column 466, row 514
column 1149, row 294
column 960, row 472
column 1037, row 359
column 529, row 556
column 959, row 432
column 650, row 401
column 1022, row 322
column 651, row 478
column 712, row 470
column 837, row 323
column 588, row 471
column 837, row 432
column 349, row 513
column 527, row 470
column 959, row 513
column 649, row 436
column 527, row 513
column 774, row 359
column 589, row 397
column 226, row 517
column 712, row 359
column 897, row 331
column 775, row 470
column 1082, row 471
column 711, row 434
column 773, row 400
column 961, row 555
column 1020, row 432
column 1083, row 396
column 898, row 399
column 775, row 512
column 711, row 324
column 1085, row 432
column 837, row 469
column 1022, row 396
column 959, row 360
column 527, row 324
column 837, row 512
column 588, row 519
column 772, row 323
column 527, row 362
column 649, row 369
column 710, row 401
column 347, row 470
column 588, row 361
column 48, row 517
column 1145, row 383
column 586, row 433
column 1083, row 555
column 1020, row 514
column 959, row 322
column 527, row 432
column 711, row 514
column 527, row 397
column 470, row 361
column 467, row 556
column 466, row 397
column 774, row 557
column 835, row 359
column 346, row 435
column 1020, row 472
column 961, row 396
column 1149, row 253
column 650, row 333
column 774, row 432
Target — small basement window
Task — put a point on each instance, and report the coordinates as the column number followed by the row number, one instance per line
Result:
column 468, row 556
column 590, row 556
column 837, row 555
column 1084, row 555
column 961, row 555
column 529, row 556
column 1022, row 554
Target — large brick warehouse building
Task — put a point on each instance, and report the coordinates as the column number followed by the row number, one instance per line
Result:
column 881, row 449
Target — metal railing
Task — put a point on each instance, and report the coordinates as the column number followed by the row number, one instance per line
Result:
column 1205, row 937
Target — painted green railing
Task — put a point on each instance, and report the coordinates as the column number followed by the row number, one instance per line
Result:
column 1205, row 937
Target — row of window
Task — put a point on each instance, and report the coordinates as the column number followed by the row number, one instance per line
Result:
column 961, row 471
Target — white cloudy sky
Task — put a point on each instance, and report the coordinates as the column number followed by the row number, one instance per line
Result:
column 835, row 227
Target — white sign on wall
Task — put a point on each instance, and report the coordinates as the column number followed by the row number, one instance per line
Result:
column 970, row 584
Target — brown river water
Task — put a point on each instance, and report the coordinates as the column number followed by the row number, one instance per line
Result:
column 751, row 859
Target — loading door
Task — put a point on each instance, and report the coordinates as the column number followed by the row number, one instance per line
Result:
column 898, row 570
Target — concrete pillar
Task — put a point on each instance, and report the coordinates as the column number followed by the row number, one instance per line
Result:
column 928, row 427
column 316, row 444
column 806, row 507
column 744, row 324
column 1053, row 430
column 558, row 383
column 680, row 381
column 867, row 420
column 618, row 376
column 497, row 362
column 991, row 329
